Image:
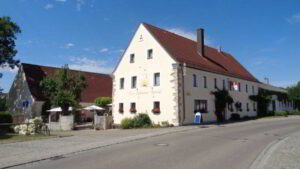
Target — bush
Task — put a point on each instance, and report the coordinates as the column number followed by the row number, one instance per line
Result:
column 34, row 126
column 127, row 123
column 103, row 101
column 281, row 113
column 142, row 120
column 235, row 117
column 294, row 112
column 165, row 124
column 5, row 118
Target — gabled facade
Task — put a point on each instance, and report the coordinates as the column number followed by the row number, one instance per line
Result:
column 170, row 77
column 26, row 98
column 145, row 76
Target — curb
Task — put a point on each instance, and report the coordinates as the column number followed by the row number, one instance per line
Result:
column 263, row 157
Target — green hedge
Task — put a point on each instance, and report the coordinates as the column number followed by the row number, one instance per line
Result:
column 5, row 118
column 139, row 121
column 281, row 113
column 127, row 123
column 294, row 112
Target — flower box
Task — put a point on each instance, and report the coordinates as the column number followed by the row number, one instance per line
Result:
column 156, row 110
column 132, row 110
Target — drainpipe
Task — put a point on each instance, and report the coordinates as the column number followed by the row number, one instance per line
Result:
column 183, row 92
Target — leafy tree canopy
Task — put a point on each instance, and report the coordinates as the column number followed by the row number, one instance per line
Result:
column 8, row 31
column 103, row 101
column 3, row 104
column 64, row 88
column 222, row 98
column 263, row 99
column 294, row 94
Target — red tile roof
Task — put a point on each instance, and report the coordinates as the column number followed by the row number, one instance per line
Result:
column 99, row 85
column 184, row 50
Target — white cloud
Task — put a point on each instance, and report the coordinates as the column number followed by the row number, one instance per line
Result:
column 8, row 70
column 184, row 33
column 61, row 0
column 49, row 6
column 69, row 45
column 104, row 50
column 294, row 18
column 79, row 4
column 189, row 35
column 87, row 49
column 284, row 83
column 258, row 62
column 90, row 65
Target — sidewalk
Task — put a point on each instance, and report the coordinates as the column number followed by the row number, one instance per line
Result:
column 284, row 154
column 13, row 154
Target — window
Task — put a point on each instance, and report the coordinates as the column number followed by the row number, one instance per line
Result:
column 122, row 80
column 156, row 79
column 204, row 80
column 121, row 107
column 254, row 106
column 224, row 84
column 248, row 107
column 230, row 107
column 150, row 54
column 200, row 106
column 156, row 107
column 230, row 85
column 246, row 88
column 194, row 80
column 216, row 86
column 239, row 84
column 132, row 108
column 133, row 82
column 253, row 89
column 132, row 58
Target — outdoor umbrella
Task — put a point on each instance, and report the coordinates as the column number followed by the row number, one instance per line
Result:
column 93, row 107
column 58, row 109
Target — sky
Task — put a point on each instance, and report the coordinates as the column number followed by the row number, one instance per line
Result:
column 91, row 35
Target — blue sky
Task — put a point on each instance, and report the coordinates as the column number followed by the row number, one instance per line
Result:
column 264, row 35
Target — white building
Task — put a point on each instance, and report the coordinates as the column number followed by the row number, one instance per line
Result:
column 169, row 76
column 276, row 103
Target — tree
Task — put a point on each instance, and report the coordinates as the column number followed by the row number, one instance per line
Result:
column 294, row 94
column 103, row 101
column 8, row 31
column 263, row 99
column 3, row 104
column 64, row 89
column 222, row 98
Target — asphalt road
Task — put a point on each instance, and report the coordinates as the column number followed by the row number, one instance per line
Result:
column 230, row 147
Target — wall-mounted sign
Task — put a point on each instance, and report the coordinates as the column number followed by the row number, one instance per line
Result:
column 235, row 86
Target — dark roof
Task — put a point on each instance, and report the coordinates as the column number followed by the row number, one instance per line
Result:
column 99, row 85
column 184, row 50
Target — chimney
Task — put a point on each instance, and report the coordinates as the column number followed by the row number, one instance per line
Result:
column 220, row 49
column 200, row 41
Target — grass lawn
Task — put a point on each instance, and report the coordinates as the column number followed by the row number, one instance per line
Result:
column 12, row 138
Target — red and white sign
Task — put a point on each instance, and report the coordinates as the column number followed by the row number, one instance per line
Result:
column 235, row 85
